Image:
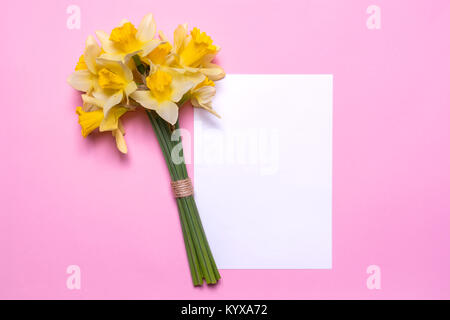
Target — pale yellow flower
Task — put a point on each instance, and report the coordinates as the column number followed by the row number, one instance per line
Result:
column 195, row 51
column 161, row 55
column 166, row 88
column 126, row 41
column 91, row 117
column 108, row 81
column 91, row 120
column 85, row 75
column 115, row 83
column 202, row 95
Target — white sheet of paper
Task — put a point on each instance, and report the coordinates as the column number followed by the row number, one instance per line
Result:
column 262, row 173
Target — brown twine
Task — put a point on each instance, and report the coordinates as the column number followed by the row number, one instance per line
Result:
column 182, row 188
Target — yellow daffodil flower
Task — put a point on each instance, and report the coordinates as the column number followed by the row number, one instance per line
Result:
column 161, row 55
column 166, row 89
column 195, row 51
column 85, row 75
column 178, row 73
column 126, row 41
column 108, row 81
column 91, row 120
column 202, row 94
column 115, row 82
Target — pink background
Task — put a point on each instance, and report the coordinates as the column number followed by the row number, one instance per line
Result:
column 67, row 200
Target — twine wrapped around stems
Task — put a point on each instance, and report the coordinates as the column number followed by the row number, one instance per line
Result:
column 182, row 188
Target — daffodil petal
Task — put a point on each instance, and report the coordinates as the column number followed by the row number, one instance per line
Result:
column 111, row 56
column 120, row 141
column 179, row 36
column 179, row 88
column 168, row 110
column 147, row 29
column 130, row 55
column 121, row 128
column 107, row 45
column 91, row 53
column 91, row 103
column 150, row 46
column 145, row 99
column 162, row 36
column 112, row 101
column 111, row 122
column 213, row 71
column 130, row 88
column 117, row 67
column 182, row 83
column 81, row 80
column 118, row 57
column 205, row 94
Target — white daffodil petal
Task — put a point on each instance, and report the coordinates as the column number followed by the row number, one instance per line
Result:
column 168, row 110
column 91, row 53
column 147, row 29
column 145, row 99
column 112, row 101
column 107, row 45
column 81, row 80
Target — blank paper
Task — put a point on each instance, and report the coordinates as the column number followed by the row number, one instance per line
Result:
column 263, row 172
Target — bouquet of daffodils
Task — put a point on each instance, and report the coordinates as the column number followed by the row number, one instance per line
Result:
column 133, row 68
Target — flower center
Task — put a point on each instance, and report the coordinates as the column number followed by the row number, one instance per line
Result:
column 199, row 46
column 159, row 84
column 110, row 80
column 124, row 38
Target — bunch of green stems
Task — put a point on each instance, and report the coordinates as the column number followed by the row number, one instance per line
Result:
column 201, row 260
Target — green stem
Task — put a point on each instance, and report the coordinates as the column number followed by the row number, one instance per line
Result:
column 198, row 238
column 196, row 216
column 201, row 261
column 192, row 259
